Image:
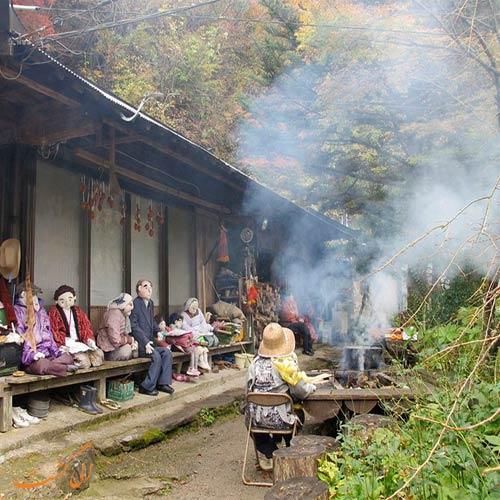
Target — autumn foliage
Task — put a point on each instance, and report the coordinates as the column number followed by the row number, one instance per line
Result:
column 38, row 23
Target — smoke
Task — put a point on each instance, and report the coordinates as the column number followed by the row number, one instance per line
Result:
column 442, row 204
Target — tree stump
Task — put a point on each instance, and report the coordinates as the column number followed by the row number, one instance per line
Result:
column 304, row 488
column 328, row 442
column 297, row 461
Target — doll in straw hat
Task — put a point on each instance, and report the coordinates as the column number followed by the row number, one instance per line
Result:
column 275, row 369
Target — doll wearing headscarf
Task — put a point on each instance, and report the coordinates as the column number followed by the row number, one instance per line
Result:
column 114, row 335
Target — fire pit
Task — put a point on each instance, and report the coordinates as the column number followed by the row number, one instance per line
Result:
column 362, row 380
column 362, row 357
column 355, row 392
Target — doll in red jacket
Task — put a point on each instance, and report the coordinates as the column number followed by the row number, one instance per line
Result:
column 72, row 330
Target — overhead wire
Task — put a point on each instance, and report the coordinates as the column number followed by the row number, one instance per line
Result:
column 125, row 22
column 36, row 8
column 320, row 25
column 57, row 20
column 178, row 13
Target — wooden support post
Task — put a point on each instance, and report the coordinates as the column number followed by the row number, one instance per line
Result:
column 305, row 488
column 5, row 28
column 100, row 385
column 5, row 411
column 297, row 461
column 203, row 289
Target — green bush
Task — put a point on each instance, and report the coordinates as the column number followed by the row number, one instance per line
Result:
column 446, row 299
column 457, row 470
column 373, row 470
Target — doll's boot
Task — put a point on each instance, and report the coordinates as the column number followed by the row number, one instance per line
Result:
column 193, row 365
column 193, row 372
column 203, row 362
column 93, row 400
column 86, row 400
column 199, row 358
column 205, row 357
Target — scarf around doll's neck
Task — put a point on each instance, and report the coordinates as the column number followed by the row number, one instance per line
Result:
column 7, row 303
column 288, row 368
column 73, row 315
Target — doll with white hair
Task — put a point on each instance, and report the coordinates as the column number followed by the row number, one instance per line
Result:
column 194, row 321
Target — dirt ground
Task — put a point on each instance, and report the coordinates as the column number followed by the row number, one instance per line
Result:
column 204, row 464
column 189, row 464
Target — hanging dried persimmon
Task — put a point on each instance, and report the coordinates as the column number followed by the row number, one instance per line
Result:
column 123, row 217
column 137, row 223
column 160, row 218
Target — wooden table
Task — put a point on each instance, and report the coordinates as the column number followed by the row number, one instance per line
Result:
column 327, row 401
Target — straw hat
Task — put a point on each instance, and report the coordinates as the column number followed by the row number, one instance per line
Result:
column 276, row 342
column 290, row 336
column 10, row 258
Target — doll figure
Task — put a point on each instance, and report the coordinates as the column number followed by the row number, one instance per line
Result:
column 41, row 355
column 194, row 321
column 72, row 330
column 145, row 331
column 114, row 336
column 174, row 335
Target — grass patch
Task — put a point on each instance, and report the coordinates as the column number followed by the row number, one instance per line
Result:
column 147, row 438
column 207, row 417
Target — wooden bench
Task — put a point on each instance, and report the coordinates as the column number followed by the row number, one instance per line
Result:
column 13, row 386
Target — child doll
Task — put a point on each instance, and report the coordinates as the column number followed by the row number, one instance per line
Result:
column 174, row 335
